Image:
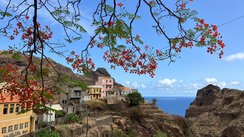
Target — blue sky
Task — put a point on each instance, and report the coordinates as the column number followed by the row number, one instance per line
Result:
column 194, row 69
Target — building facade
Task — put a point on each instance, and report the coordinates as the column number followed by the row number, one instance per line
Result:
column 73, row 98
column 95, row 91
column 13, row 124
column 125, row 91
column 107, row 84
column 50, row 115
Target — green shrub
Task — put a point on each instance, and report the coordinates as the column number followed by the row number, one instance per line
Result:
column 133, row 133
column 160, row 134
column 60, row 113
column 134, row 99
column 154, row 101
column 45, row 133
column 72, row 118
column 118, row 133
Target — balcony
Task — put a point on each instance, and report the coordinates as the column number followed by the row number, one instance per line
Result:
column 75, row 94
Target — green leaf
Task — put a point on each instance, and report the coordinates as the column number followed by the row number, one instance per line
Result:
column 121, row 46
column 194, row 13
column 47, row 95
column 175, row 41
column 82, row 29
column 138, row 40
column 131, row 16
column 109, row 9
column 60, row 11
column 68, row 40
column 77, row 38
column 5, row 14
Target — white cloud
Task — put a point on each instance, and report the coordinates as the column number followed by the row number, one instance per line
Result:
column 214, row 81
column 143, row 86
column 196, row 86
column 167, row 82
column 233, row 57
column 211, row 80
column 235, row 83
column 222, row 84
column 135, row 85
column 127, row 82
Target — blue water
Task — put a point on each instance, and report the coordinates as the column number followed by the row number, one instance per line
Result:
column 173, row 105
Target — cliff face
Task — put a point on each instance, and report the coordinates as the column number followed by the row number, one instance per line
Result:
column 143, row 121
column 22, row 62
column 217, row 113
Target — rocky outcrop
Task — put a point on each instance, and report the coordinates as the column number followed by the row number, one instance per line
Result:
column 217, row 113
column 21, row 62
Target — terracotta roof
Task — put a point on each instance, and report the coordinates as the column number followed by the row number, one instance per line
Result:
column 125, row 88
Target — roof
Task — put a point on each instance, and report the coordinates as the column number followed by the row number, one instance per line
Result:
column 125, row 88
column 105, row 77
column 6, row 97
column 94, row 86
column 55, row 106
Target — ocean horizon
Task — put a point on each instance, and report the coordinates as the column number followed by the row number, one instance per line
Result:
column 174, row 105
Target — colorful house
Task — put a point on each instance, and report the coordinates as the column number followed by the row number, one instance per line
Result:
column 73, row 99
column 107, row 84
column 95, row 91
column 124, row 91
column 12, row 123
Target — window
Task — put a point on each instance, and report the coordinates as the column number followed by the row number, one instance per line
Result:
column 17, row 108
column 5, row 109
column 11, row 110
column 21, row 126
column 10, row 128
column 26, row 124
column 4, row 130
column 16, row 127
column 64, row 101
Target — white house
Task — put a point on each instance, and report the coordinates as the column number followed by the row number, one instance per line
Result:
column 50, row 116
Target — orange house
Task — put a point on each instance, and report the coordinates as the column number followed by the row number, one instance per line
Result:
column 12, row 123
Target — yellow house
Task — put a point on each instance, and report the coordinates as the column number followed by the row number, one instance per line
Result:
column 11, row 123
column 94, row 91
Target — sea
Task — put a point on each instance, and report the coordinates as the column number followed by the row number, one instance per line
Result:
column 173, row 105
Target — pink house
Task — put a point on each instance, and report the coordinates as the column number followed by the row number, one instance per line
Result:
column 107, row 84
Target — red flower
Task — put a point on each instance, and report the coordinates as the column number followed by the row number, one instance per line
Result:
column 27, row 17
column 19, row 24
column 206, row 25
column 120, row 4
column 202, row 21
column 111, row 23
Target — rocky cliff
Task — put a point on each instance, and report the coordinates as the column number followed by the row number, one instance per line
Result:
column 217, row 113
column 143, row 121
column 21, row 62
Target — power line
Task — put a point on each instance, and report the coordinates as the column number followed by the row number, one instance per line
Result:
column 231, row 21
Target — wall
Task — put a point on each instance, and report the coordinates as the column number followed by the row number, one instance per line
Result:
column 107, row 84
column 49, row 117
column 12, row 119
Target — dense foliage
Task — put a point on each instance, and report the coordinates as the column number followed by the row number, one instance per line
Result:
column 135, row 98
